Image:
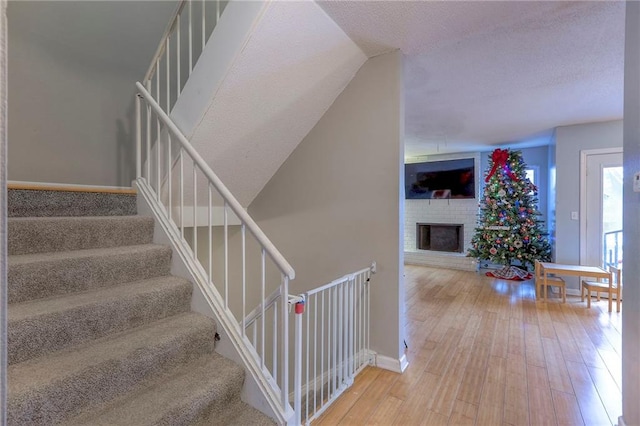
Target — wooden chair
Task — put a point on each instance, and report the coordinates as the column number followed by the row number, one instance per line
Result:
column 551, row 281
column 613, row 286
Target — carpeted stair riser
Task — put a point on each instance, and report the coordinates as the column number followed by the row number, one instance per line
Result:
column 49, row 389
column 46, row 325
column 179, row 397
column 38, row 203
column 41, row 235
column 34, row 276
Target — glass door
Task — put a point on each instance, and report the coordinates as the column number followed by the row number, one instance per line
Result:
column 603, row 236
column 612, row 216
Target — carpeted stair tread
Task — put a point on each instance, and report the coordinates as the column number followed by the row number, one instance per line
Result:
column 49, row 234
column 33, row 276
column 45, row 325
column 99, row 332
column 183, row 396
column 237, row 414
column 53, row 387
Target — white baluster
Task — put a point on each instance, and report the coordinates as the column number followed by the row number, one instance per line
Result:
column 169, row 176
column 195, row 210
column 138, row 138
column 190, row 38
column 178, row 64
column 262, row 296
column 168, row 59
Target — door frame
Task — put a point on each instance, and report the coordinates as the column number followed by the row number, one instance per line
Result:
column 583, row 192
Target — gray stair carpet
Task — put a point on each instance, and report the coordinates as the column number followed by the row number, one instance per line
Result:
column 40, row 235
column 29, row 203
column 39, row 275
column 100, row 333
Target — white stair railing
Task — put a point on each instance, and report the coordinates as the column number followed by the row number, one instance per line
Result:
column 231, row 259
column 234, row 268
column 331, row 339
column 182, row 43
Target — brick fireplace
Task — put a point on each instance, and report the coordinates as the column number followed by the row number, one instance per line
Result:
column 440, row 237
column 461, row 213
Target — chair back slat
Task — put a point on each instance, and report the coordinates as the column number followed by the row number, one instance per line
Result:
column 616, row 277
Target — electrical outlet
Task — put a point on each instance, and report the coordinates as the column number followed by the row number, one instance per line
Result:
column 574, row 216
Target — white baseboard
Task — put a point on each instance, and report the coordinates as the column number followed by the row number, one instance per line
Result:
column 404, row 363
column 621, row 421
column 392, row 364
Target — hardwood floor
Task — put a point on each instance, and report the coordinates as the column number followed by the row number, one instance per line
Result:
column 483, row 351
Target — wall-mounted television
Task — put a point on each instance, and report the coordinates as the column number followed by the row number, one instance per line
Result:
column 440, row 179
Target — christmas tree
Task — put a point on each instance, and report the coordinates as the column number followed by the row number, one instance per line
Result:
column 509, row 229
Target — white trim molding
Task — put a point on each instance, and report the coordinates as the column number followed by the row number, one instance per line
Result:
column 392, row 364
column 69, row 187
column 583, row 192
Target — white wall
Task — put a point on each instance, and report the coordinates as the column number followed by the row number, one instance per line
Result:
column 72, row 69
column 570, row 140
column 288, row 69
column 332, row 207
column 227, row 39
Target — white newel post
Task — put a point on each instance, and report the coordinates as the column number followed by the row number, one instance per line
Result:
column 297, row 375
column 3, row 213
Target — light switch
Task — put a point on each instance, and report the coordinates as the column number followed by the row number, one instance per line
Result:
column 574, row 216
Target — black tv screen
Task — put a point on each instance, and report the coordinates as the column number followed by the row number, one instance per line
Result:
column 440, row 179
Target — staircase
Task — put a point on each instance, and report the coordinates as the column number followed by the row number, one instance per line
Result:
column 99, row 331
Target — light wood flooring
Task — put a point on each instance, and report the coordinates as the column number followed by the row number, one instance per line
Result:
column 483, row 351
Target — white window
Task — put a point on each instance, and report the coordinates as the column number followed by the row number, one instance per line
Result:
column 532, row 174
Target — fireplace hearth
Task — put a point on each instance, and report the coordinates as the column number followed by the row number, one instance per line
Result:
column 440, row 237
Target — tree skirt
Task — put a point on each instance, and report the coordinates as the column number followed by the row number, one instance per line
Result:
column 510, row 273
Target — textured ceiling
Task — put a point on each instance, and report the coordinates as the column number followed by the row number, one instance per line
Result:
column 296, row 62
column 479, row 74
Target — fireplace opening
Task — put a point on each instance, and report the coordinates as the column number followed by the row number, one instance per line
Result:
column 440, row 237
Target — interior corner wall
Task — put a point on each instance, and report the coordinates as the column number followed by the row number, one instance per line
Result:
column 72, row 70
column 570, row 140
column 66, row 125
column 333, row 207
